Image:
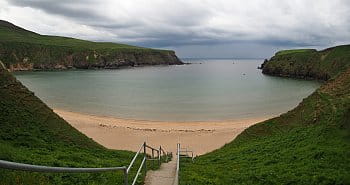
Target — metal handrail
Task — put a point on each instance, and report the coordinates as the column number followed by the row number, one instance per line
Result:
column 186, row 155
column 37, row 168
column 143, row 163
column 178, row 154
column 133, row 160
column 40, row 168
column 139, row 170
column 176, row 179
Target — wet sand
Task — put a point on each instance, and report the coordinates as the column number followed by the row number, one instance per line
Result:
column 128, row 134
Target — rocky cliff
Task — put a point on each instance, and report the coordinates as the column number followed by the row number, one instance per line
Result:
column 308, row 64
column 27, row 56
column 21, row 49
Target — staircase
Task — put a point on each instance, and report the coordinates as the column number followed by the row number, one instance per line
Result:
column 163, row 176
column 168, row 174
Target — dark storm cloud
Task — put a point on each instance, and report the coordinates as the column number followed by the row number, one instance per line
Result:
column 81, row 11
column 180, row 23
column 67, row 8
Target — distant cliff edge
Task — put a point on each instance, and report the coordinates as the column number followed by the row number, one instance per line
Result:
column 21, row 49
column 308, row 63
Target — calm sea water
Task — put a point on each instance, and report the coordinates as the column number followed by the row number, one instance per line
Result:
column 214, row 90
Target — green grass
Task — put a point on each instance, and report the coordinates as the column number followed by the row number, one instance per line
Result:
column 307, row 145
column 20, row 46
column 313, row 64
column 283, row 52
column 30, row 132
column 12, row 34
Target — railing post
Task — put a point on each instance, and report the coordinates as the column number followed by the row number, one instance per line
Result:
column 166, row 157
column 159, row 155
column 125, row 176
column 160, row 150
column 152, row 157
column 145, row 156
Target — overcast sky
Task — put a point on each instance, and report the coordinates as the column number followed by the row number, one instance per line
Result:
column 193, row 28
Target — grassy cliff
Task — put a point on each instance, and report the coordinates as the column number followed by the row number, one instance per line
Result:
column 21, row 49
column 30, row 132
column 309, row 63
column 307, row 145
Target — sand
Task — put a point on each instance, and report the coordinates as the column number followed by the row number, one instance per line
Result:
column 127, row 134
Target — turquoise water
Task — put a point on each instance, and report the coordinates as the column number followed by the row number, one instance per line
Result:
column 213, row 90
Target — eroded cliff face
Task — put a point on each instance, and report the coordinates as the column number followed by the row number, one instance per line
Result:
column 319, row 65
column 24, row 56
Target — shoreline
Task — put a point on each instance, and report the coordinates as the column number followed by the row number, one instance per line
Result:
column 128, row 134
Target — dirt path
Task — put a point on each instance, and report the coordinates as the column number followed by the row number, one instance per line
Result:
column 164, row 176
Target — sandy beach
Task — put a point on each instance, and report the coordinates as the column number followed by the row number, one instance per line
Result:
column 127, row 134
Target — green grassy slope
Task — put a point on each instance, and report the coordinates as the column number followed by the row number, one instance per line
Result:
column 307, row 145
column 10, row 33
column 30, row 132
column 309, row 63
column 34, row 51
column 283, row 52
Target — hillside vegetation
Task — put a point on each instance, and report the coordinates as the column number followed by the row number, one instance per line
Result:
column 283, row 52
column 10, row 33
column 30, row 132
column 21, row 49
column 309, row 63
column 307, row 145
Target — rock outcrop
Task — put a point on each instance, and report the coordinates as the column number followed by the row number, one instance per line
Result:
column 21, row 49
column 309, row 64
column 40, row 57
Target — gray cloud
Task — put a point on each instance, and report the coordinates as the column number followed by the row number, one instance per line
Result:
column 77, row 9
column 189, row 24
